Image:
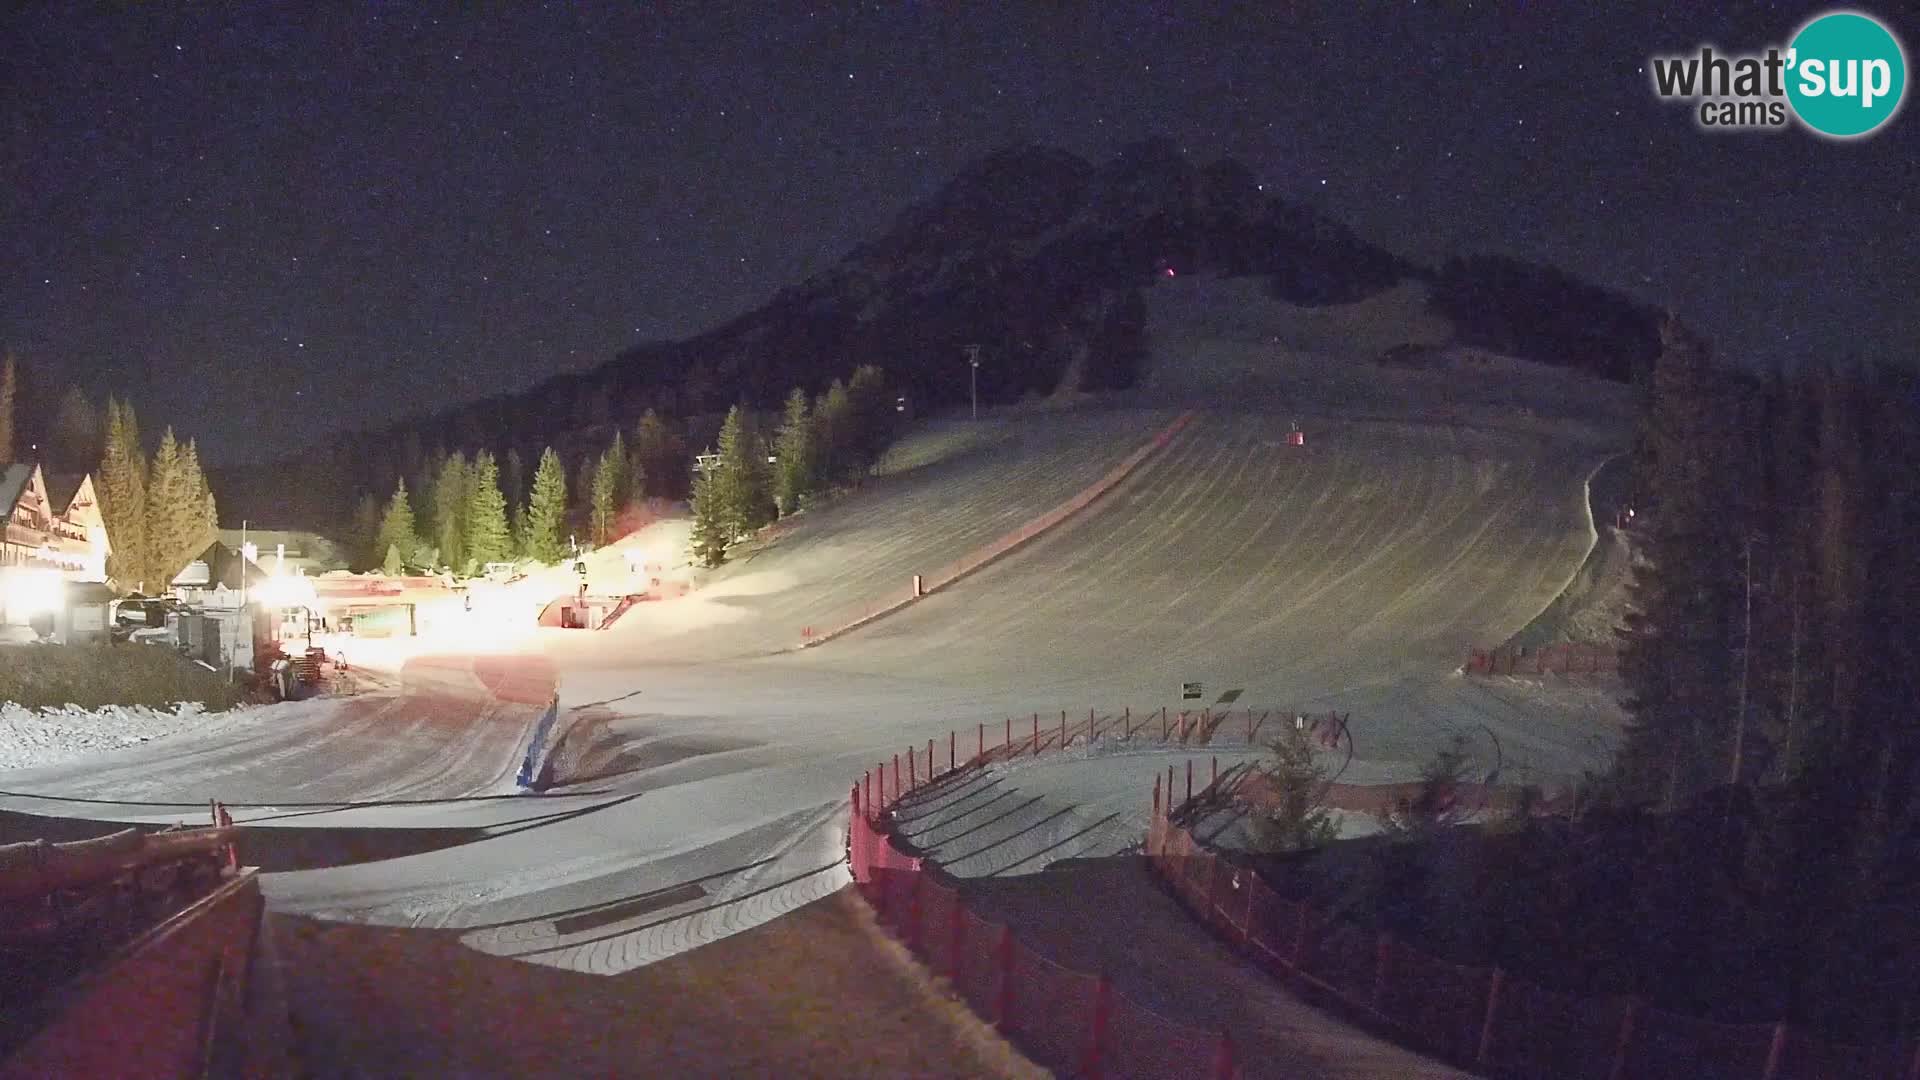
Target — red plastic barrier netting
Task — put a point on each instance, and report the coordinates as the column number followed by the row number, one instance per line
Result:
column 1442, row 1004
column 1053, row 1014
column 1144, row 1044
column 1666, row 1046
column 935, row 932
column 978, row 978
column 1539, row 1032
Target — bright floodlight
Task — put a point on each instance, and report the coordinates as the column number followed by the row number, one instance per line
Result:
column 281, row 591
column 30, row 591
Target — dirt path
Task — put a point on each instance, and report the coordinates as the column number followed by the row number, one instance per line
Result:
column 820, row 992
column 1158, row 957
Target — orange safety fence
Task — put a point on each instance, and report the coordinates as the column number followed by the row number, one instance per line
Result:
column 1068, row 1021
column 1484, row 1018
column 839, row 622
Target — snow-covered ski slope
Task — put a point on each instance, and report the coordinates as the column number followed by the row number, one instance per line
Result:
column 1425, row 514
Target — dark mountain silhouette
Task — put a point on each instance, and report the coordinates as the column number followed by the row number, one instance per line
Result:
column 1032, row 253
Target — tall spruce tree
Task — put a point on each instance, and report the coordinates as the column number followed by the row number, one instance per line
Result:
column 604, row 502
column 397, row 539
column 170, row 512
column 833, row 414
column 488, row 539
column 1678, row 656
column 796, row 450
column 202, row 517
column 745, row 500
column 75, row 443
column 546, row 517
column 657, row 453
column 710, row 535
column 366, row 533
column 513, row 485
column 123, row 497
column 452, row 494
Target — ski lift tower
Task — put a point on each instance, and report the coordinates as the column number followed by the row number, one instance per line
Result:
column 973, row 377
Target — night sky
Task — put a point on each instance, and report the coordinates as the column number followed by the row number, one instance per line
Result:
column 269, row 223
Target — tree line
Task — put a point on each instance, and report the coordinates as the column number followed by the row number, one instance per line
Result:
column 159, row 511
column 750, row 479
column 1772, row 659
column 458, row 512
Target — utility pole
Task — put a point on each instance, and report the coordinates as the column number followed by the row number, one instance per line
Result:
column 973, row 377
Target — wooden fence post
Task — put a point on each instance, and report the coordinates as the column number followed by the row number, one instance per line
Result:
column 1093, row 726
column 1036, row 734
column 929, row 760
column 953, row 745
column 897, row 791
column 1156, row 794
column 1624, row 1043
column 882, row 804
column 981, row 745
column 1494, row 986
column 1009, row 736
column 1126, row 722
column 913, row 780
column 1063, row 729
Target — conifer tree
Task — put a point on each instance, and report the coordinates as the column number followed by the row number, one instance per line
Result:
column 604, row 497
column 123, row 497
column 488, row 537
column 833, row 414
column 710, row 532
column 366, row 532
column 171, row 512
column 1677, row 654
column 397, row 539
column 656, row 451
column 74, row 445
column 452, row 494
column 796, row 450
column 871, row 417
column 745, row 502
column 616, row 453
column 201, row 516
column 546, row 518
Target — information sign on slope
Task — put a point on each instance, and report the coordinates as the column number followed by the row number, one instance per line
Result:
column 1190, row 691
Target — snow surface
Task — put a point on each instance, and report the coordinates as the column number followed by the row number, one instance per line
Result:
column 31, row 737
column 1353, row 573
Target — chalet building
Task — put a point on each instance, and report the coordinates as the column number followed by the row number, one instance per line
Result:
column 52, row 523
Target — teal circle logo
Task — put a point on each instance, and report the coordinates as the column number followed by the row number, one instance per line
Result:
column 1846, row 74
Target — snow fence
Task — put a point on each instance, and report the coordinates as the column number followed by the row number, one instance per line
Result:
column 852, row 618
column 1481, row 1018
